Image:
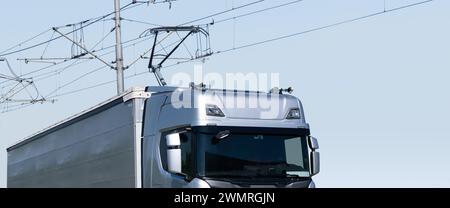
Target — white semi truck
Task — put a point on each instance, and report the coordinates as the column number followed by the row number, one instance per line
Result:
column 172, row 137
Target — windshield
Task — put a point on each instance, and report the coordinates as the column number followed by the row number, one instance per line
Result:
column 252, row 155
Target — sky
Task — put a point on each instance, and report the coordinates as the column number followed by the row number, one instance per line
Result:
column 374, row 91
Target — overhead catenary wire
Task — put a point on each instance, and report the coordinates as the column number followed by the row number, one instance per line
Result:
column 76, row 79
column 47, row 43
column 266, row 41
column 26, row 41
column 258, row 11
column 85, row 23
column 63, row 61
column 52, row 73
column 14, row 91
column 223, row 12
column 198, row 19
column 141, row 22
column 259, row 42
column 102, row 49
column 76, row 62
column 215, row 14
column 24, row 82
column 138, row 21
column 86, row 50
column 86, row 74
column 10, row 108
column 46, row 46
column 324, row 27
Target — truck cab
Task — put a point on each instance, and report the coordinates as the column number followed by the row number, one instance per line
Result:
column 201, row 138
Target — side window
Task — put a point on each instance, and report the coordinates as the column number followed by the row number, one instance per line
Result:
column 163, row 150
column 297, row 153
column 294, row 154
column 186, row 152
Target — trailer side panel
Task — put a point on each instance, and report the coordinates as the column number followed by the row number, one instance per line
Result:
column 94, row 150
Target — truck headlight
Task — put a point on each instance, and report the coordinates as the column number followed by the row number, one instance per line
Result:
column 293, row 113
column 213, row 110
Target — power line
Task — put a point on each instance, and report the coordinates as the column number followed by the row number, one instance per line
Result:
column 105, row 83
column 63, row 61
column 8, row 108
column 141, row 22
column 103, row 17
column 138, row 40
column 216, row 14
column 80, row 77
column 76, row 79
column 258, row 11
column 24, row 82
column 223, row 20
column 246, row 45
column 223, row 12
column 87, row 88
column 89, row 22
column 77, row 62
column 324, row 27
column 265, row 41
column 50, row 40
column 46, row 43
column 26, row 41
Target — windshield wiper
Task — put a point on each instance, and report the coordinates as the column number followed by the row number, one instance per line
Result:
column 229, row 176
column 284, row 176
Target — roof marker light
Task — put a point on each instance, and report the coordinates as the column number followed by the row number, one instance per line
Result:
column 213, row 110
column 294, row 113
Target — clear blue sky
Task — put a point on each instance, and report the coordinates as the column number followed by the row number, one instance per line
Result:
column 375, row 91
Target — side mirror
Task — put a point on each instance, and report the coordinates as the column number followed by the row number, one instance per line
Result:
column 173, row 143
column 315, row 163
column 313, row 143
column 315, row 156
